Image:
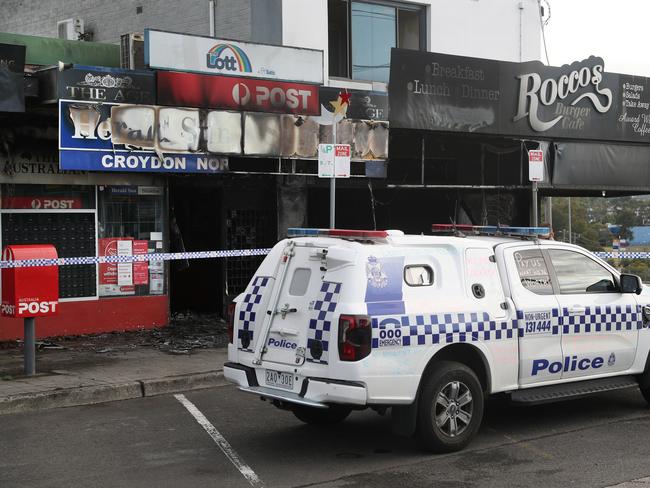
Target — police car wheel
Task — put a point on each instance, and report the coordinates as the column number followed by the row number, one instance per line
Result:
column 450, row 408
column 321, row 416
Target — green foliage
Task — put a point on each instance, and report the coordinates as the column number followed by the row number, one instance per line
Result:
column 584, row 232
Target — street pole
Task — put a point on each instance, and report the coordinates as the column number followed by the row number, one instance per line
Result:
column 535, row 219
column 333, row 183
column 29, row 345
column 570, row 234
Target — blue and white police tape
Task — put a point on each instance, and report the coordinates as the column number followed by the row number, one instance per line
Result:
column 163, row 256
column 232, row 253
column 623, row 255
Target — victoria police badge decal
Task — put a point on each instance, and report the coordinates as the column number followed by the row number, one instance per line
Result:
column 611, row 360
column 376, row 276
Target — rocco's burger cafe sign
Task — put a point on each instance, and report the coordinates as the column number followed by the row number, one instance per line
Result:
column 431, row 91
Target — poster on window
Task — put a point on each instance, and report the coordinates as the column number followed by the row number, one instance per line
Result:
column 115, row 279
column 140, row 268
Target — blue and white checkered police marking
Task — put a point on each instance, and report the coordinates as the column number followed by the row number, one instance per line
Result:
column 602, row 319
column 448, row 328
column 250, row 310
column 442, row 328
column 320, row 323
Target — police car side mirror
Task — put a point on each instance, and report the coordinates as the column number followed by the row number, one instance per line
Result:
column 630, row 284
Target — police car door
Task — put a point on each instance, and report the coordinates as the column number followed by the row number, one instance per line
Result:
column 531, row 289
column 286, row 342
column 599, row 322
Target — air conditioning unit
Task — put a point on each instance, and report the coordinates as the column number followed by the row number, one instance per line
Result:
column 70, row 29
column 132, row 51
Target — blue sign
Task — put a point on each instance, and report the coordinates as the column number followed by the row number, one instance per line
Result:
column 91, row 138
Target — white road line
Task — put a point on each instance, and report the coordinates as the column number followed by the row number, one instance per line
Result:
column 246, row 471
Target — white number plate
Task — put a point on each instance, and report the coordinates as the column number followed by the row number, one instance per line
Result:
column 279, row 380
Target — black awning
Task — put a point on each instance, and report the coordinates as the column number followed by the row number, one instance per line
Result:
column 601, row 166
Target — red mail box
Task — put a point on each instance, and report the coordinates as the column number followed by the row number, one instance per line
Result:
column 30, row 291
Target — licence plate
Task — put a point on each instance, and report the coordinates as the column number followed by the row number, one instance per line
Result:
column 279, row 380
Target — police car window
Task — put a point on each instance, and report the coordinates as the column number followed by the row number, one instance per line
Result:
column 300, row 282
column 418, row 275
column 577, row 273
column 533, row 272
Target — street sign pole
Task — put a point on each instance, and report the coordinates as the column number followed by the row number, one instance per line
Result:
column 535, row 174
column 333, row 183
column 535, row 219
column 29, row 345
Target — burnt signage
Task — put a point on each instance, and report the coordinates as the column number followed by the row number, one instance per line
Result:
column 95, row 84
column 12, row 57
column 432, row 91
column 210, row 91
column 12, row 86
column 364, row 105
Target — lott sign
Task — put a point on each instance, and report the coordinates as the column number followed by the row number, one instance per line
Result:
column 181, row 52
column 206, row 91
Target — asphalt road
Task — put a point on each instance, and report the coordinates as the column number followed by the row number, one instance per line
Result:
column 599, row 441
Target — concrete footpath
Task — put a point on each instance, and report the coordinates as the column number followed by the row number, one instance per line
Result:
column 71, row 377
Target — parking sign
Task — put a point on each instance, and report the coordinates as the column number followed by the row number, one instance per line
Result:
column 334, row 160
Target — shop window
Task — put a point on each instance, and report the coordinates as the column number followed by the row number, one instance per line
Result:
column 61, row 215
column 361, row 35
column 131, row 221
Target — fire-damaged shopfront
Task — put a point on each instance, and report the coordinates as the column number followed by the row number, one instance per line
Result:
column 211, row 148
column 461, row 129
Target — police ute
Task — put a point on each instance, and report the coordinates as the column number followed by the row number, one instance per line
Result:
column 429, row 325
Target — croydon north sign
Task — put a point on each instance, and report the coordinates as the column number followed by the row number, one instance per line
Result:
column 431, row 91
column 181, row 52
column 134, row 138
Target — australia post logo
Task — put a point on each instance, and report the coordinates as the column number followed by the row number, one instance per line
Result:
column 562, row 94
column 228, row 57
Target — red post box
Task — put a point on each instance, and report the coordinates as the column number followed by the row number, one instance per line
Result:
column 30, row 291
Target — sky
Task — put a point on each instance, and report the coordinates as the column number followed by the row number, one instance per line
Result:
column 615, row 30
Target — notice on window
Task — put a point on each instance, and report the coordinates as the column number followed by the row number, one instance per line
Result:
column 114, row 278
column 124, row 270
column 140, row 268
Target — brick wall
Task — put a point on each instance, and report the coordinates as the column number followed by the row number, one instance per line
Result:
column 108, row 19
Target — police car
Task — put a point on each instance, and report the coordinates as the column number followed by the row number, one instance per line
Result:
column 428, row 326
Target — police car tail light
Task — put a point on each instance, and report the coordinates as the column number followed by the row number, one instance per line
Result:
column 231, row 321
column 355, row 334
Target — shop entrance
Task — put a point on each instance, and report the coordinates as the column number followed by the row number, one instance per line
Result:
column 195, row 225
column 207, row 214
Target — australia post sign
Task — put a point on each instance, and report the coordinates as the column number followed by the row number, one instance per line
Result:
column 180, row 52
column 250, row 94
column 460, row 94
column 137, row 138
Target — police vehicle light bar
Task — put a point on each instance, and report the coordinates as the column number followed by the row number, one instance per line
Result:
column 492, row 230
column 346, row 233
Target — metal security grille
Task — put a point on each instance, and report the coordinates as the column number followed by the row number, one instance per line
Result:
column 73, row 235
column 245, row 229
